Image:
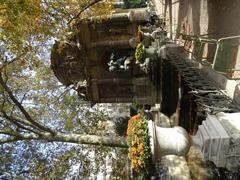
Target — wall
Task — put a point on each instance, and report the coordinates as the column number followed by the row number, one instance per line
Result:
column 218, row 17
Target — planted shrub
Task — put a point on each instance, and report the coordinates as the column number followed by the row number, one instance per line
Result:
column 139, row 53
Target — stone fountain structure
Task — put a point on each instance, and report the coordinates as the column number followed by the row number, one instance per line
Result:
column 100, row 53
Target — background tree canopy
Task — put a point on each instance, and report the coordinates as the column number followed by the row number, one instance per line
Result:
column 38, row 115
column 135, row 3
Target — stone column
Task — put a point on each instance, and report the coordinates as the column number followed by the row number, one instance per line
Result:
column 129, row 16
column 119, row 4
column 139, row 15
column 111, row 44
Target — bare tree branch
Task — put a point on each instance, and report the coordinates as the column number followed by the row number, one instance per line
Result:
column 20, row 102
column 22, row 109
column 19, row 123
column 9, row 140
column 10, row 133
column 73, row 138
column 84, row 9
column 110, row 141
column 20, row 138
column 12, row 61
column 62, row 95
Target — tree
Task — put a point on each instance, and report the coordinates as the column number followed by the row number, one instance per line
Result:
column 30, row 129
column 135, row 3
column 15, row 20
column 34, row 106
column 29, row 112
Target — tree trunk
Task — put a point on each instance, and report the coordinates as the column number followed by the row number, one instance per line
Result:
column 110, row 141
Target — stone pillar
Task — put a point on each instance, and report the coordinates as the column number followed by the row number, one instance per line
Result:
column 111, row 44
column 119, row 4
column 139, row 15
column 121, row 17
column 117, row 17
column 130, row 16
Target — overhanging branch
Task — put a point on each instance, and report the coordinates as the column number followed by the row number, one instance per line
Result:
column 19, row 138
column 21, row 108
column 109, row 141
column 10, row 133
column 19, row 123
column 8, row 140
column 12, row 61
column 84, row 9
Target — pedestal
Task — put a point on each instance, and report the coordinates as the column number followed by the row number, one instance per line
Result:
column 168, row 141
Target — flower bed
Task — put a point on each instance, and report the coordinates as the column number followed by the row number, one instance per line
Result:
column 139, row 152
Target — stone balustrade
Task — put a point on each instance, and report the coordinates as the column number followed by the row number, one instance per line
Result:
column 219, row 139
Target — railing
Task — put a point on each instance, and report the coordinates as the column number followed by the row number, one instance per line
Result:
column 227, row 55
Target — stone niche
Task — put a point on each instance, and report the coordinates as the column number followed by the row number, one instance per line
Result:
column 219, row 139
column 90, row 50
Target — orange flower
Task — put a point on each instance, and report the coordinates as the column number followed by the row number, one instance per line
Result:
column 136, row 139
column 140, row 131
column 132, row 143
column 138, row 116
column 135, row 160
column 133, row 149
column 137, row 170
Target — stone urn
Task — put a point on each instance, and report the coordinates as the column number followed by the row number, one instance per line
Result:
column 168, row 141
